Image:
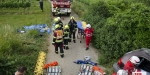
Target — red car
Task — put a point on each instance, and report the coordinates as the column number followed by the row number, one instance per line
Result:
column 143, row 54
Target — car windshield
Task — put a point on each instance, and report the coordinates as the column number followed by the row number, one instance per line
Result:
column 147, row 51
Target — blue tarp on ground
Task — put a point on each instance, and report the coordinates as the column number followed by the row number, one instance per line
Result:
column 79, row 25
column 41, row 27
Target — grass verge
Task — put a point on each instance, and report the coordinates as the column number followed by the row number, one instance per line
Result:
column 22, row 49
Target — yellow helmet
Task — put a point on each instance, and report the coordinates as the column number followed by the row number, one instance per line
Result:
column 56, row 26
column 66, row 27
column 72, row 17
column 56, row 20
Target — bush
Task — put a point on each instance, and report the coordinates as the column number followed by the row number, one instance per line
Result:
column 120, row 27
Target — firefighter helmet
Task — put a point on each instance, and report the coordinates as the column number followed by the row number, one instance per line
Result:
column 56, row 20
column 66, row 27
column 72, row 17
column 135, row 60
column 56, row 26
column 88, row 26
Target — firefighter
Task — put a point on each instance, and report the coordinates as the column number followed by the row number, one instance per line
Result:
column 58, row 12
column 66, row 37
column 58, row 21
column 58, row 40
column 88, row 35
column 73, row 27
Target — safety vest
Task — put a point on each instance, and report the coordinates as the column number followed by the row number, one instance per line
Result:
column 59, row 35
column 66, row 35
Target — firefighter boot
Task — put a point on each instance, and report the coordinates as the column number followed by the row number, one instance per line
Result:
column 62, row 55
column 56, row 52
column 87, row 48
column 67, row 48
column 74, row 41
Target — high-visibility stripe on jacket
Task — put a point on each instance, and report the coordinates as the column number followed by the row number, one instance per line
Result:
column 55, row 37
column 66, row 33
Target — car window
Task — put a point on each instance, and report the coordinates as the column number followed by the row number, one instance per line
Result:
column 147, row 51
column 144, row 64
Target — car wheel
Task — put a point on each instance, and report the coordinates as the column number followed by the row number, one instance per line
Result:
column 68, row 14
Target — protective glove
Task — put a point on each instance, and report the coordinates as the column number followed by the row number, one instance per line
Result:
column 74, row 30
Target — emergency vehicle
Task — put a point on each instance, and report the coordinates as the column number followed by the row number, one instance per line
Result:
column 63, row 5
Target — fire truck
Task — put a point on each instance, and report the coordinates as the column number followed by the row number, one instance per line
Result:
column 63, row 5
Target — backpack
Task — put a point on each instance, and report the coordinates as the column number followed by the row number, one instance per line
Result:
column 59, row 34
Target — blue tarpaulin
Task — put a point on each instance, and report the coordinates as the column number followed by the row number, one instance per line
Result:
column 79, row 25
column 41, row 27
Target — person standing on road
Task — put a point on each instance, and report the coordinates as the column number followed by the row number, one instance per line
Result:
column 41, row 5
column 88, row 35
column 58, row 12
column 58, row 40
column 60, row 22
column 66, row 37
column 21, row 70
column 73, row 27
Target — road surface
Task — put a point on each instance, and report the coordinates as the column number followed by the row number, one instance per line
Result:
column 76, row 52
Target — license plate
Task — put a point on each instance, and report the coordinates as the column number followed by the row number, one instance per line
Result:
column 62, row 6
column 62, row 10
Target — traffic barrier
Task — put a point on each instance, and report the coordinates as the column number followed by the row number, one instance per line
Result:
column 40, row 63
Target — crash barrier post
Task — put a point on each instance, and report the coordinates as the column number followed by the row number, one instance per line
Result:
column 40, row 63
column 139, row 73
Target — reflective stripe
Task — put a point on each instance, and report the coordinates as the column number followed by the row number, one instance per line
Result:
column 89, row 34
column 66, row 37
column 61, row 53
column 58, row 40
column 66, row 32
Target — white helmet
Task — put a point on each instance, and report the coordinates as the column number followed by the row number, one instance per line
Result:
column 122, row 72
column 88, row 26
column 58, row 18
column 135, row 60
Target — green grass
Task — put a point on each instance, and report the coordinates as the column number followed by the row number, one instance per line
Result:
column 22, row 49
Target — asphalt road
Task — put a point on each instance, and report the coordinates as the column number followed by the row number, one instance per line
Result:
column 76, row 52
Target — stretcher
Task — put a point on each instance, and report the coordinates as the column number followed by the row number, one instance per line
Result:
column 81, row 26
